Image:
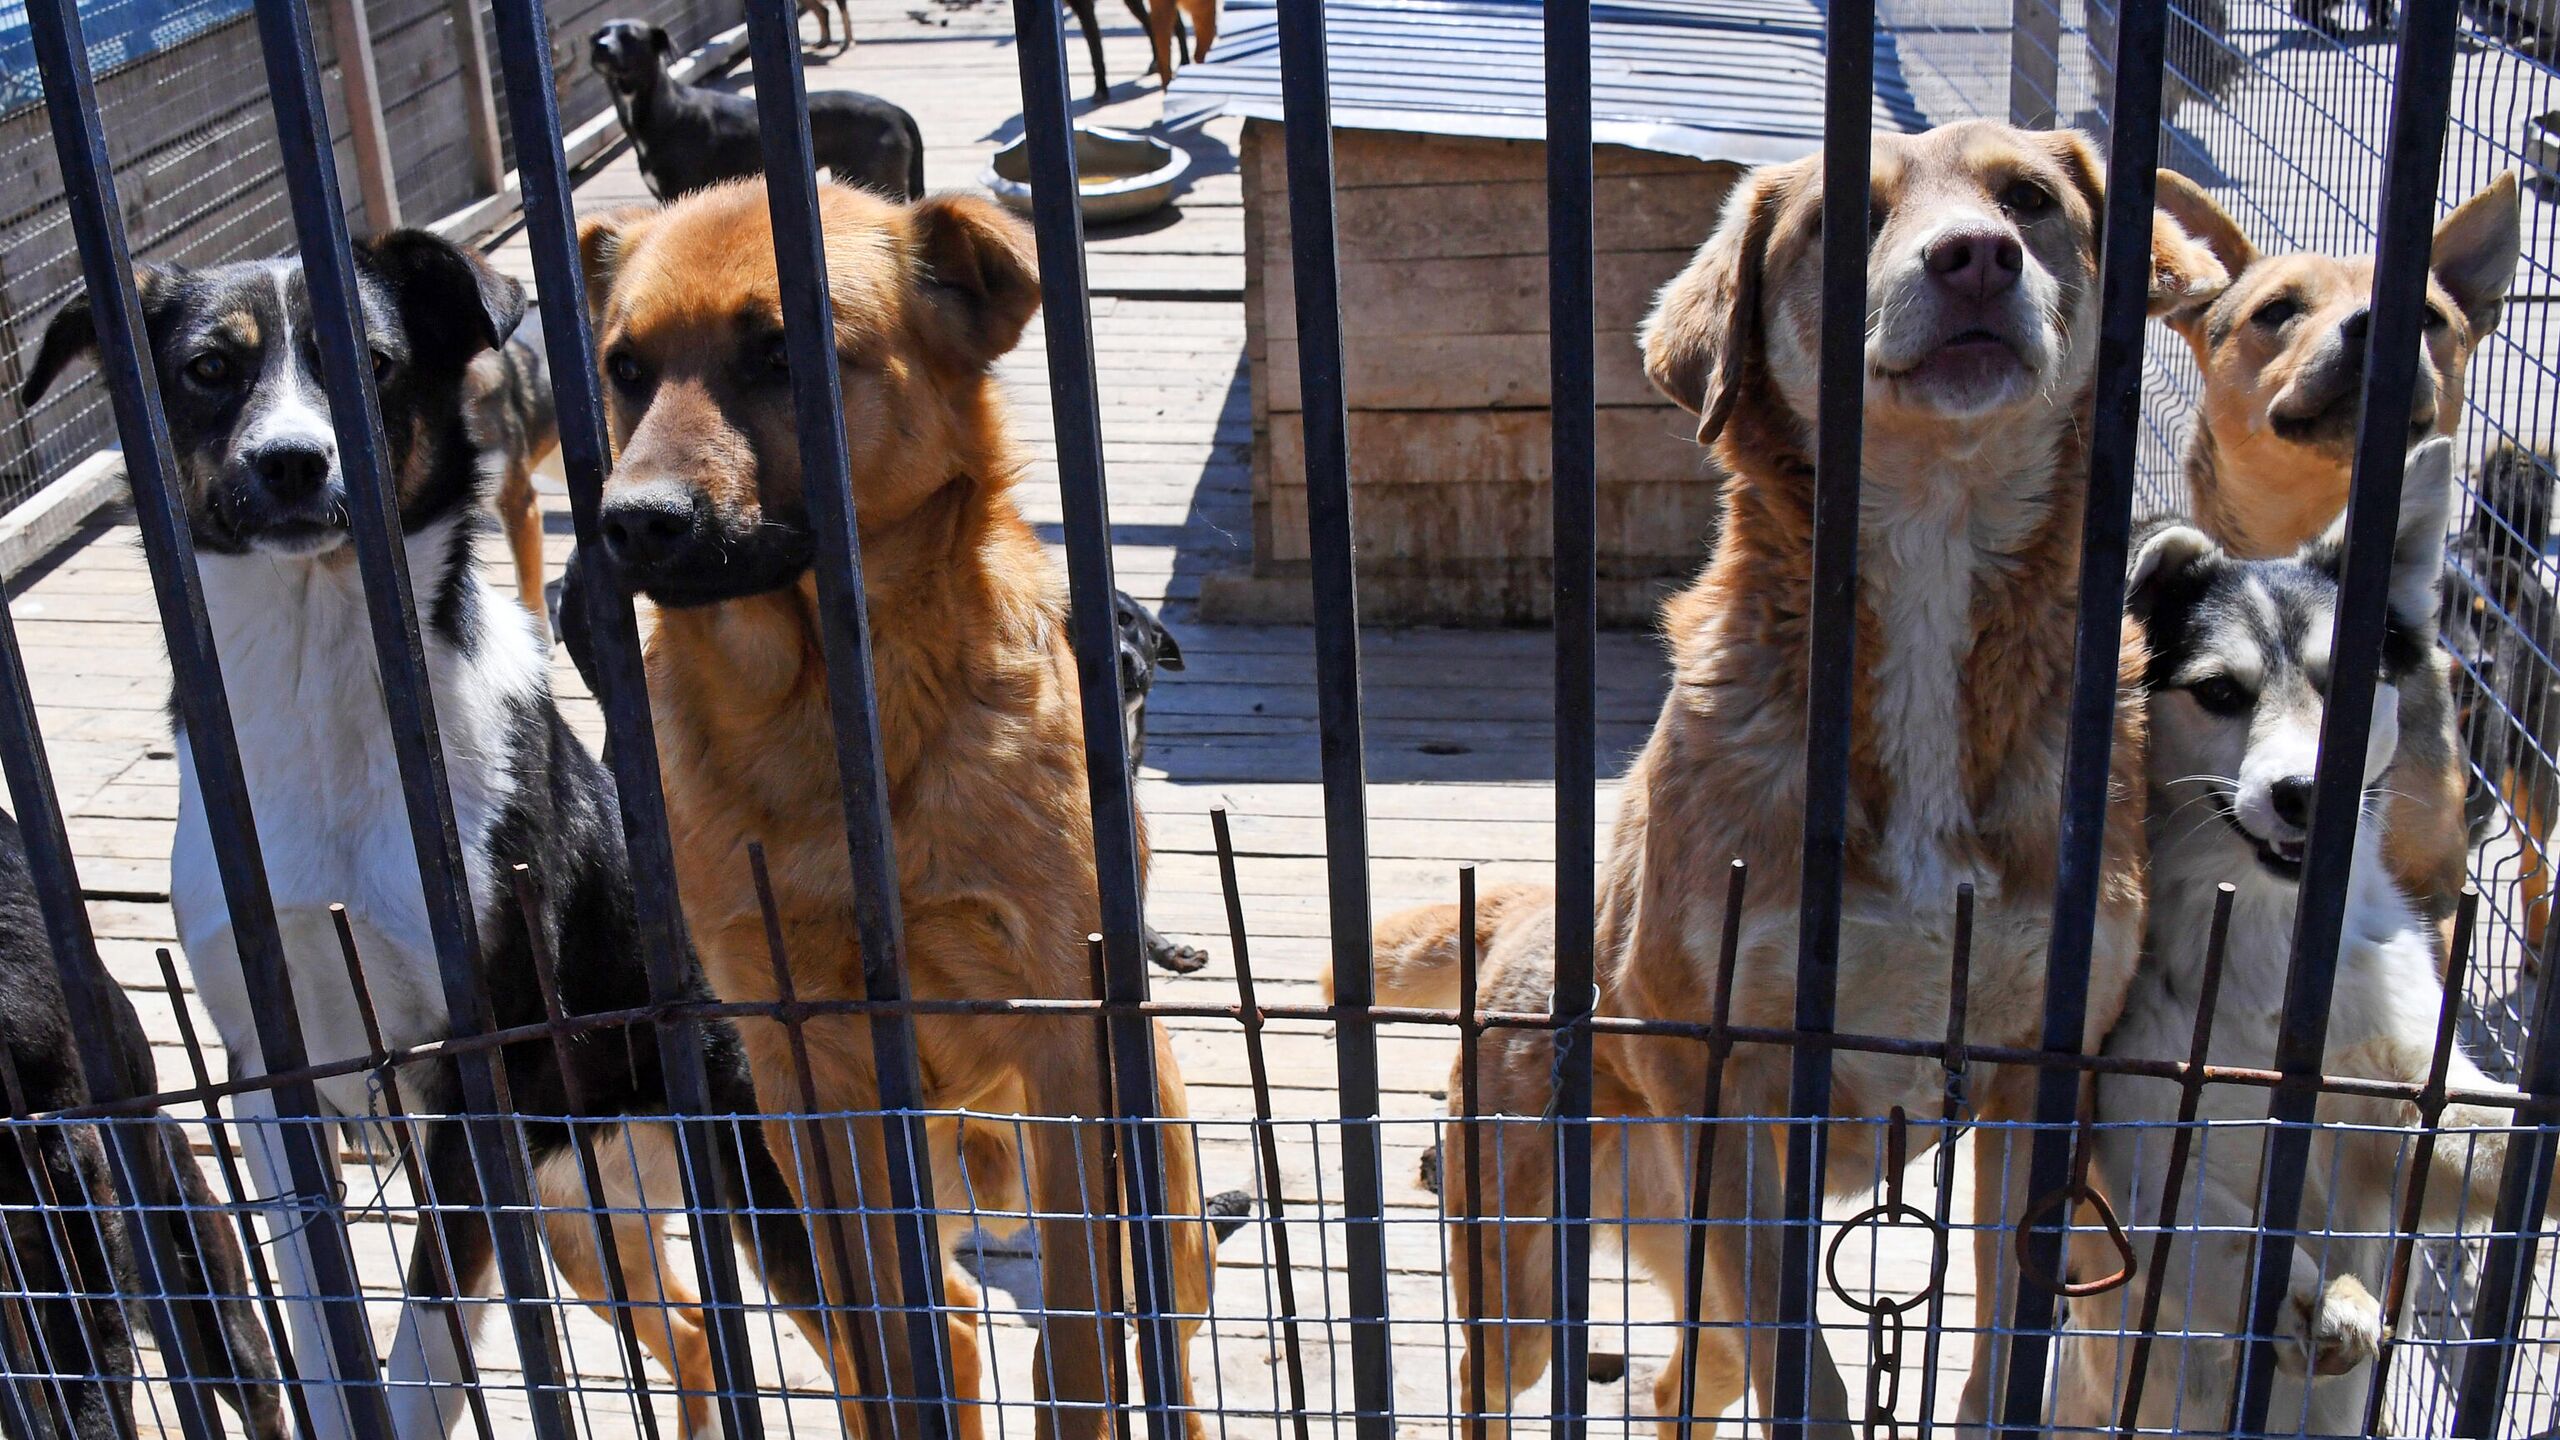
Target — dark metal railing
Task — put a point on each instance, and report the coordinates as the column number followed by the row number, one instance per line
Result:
column 906, row 1373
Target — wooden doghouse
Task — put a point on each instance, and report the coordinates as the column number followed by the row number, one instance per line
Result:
column 1442, row 222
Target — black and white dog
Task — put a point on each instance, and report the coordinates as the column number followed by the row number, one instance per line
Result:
column 69, row 1258
column 2238, row 675
column 687, row 137
column 268, row 508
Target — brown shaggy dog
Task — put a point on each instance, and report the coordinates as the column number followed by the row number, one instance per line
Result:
column 1982, row 282
column 977, row 697
column 2273, row 445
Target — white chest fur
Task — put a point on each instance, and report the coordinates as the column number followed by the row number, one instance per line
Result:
column 316, row 748
column 1918, row 547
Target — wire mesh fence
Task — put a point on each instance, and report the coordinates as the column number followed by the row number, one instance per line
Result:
column 1732, row 1208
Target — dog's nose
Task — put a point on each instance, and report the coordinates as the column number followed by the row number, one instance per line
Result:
column 2291, row 797
column 291, row 472
column 1978, row 262
column 2353, row 327
column 646, row 523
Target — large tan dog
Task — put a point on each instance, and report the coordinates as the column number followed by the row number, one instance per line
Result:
column 1981, row 341
column 977, row 699
column 2273, row 446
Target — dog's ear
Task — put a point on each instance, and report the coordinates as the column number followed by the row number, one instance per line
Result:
column 453, row 303
column 73, row 331
column 1704, row 334
column 662, row 42
column 603, row 240
column 2475, row 252
column 2196, row 213
column 2164, row 557
column 979, row 277
column 2186, row 276
column 2417, row 551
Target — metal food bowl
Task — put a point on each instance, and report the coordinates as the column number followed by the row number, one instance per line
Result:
column 1121, row 176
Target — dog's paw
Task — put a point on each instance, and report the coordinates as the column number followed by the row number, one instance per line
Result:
column 1430, row 1170
column 2333, row 1330
column 1167, row 953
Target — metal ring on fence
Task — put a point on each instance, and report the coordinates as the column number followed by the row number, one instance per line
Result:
column 1881, row 1216
column 2075, row 1190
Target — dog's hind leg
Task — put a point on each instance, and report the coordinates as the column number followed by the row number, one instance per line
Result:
column 637, row 1167
column 844, row 14
column 521, row 515
column 1163, row 16
column 1743, row 1260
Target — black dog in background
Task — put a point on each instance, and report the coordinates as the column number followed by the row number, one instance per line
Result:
column 2501, row 621
column 1145, row 647
column 69, row 1257
column 687, row 137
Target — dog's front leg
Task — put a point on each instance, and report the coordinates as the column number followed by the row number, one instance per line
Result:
column 453, row 1257
column 2001, row 1186
column 1748, row 1259
column 264, row 1145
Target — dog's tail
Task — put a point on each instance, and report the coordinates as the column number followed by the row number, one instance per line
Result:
column 915, row 162
column 1416, row 956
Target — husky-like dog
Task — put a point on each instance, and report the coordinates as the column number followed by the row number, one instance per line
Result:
column 2238, row 673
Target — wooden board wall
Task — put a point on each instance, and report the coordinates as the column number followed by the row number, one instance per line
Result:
column 1444, row 315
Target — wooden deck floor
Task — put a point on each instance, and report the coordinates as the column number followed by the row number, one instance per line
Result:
column 1459, row 756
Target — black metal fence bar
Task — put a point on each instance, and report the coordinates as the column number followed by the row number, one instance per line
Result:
column 809, row 339
column 133, row 1147
column 612, row 636
column 2524, row 1199
column 2421, row 100
column 1076, row 405
column 373, row 504
column 2124, row 291
column 1849, row 42
column 1307, row 100
column 204, row 711
column 1574, row 406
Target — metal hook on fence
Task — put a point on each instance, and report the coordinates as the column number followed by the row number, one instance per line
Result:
column 2076, row 1191
column 1884, row 1316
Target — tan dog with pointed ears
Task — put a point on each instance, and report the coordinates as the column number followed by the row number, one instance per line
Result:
column 1981, row 340
column 2273, row 446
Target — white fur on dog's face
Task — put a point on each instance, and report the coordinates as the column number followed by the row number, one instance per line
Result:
column 2240, row 671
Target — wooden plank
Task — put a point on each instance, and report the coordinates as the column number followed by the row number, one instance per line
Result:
column 1433, row 222
column 1444, row 372
column 1435, row 448
column 1646, row 529
column 360, row 97
column 1367, row 159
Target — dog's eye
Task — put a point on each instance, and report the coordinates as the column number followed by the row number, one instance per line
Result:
column 2437, row 319
column 210, row 368
column 2220, row 695
column 624, row 369
column 2276, row 313
column 2026, row 197
column 381, row 366
column 777, row 358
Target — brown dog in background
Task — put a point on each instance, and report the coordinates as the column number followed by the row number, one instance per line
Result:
column 980, row 725
column 1983, row 273
column 2272, row 448
column 511, row 416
